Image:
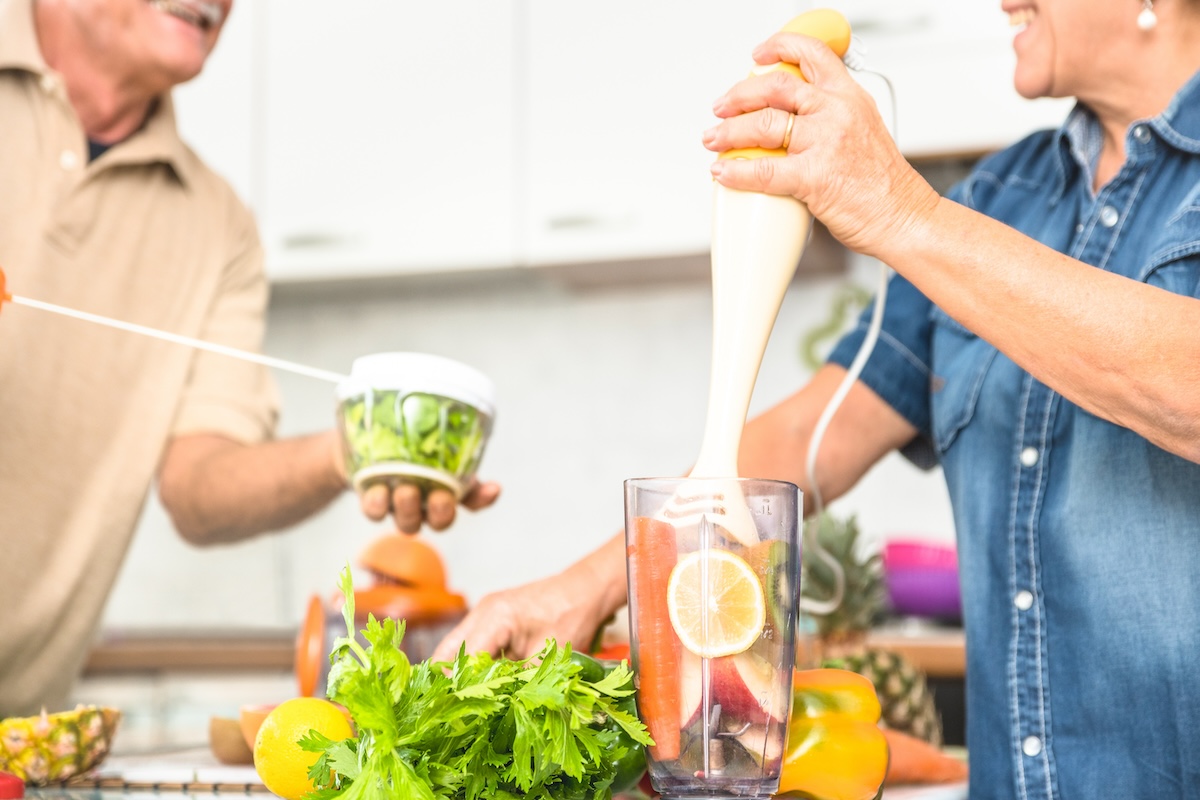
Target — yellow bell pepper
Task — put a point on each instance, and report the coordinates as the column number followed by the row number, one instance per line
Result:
column 835, row 748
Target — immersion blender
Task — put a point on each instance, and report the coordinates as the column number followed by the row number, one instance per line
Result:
column 757, row 241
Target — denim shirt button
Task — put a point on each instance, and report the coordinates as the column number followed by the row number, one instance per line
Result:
column 1141, row 133
column 1032, row 746
column 1109, row 216
column 1023, row 600
column 1029, row 456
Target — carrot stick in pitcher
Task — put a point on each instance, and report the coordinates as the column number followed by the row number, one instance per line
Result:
column 654, row 555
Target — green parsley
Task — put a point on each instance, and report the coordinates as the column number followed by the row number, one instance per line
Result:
column 476, row 727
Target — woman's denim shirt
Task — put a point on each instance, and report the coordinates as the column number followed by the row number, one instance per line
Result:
column 1078, row 540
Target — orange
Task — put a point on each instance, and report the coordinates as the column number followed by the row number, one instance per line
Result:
column 280, row 762
column 720, row 616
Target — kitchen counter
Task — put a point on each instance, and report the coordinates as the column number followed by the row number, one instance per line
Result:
column 938, row 651
column 955, row 792
column 176, row 773
column 116, row 794
column 185, row 774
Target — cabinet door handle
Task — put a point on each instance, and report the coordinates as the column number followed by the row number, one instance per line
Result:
column 317, row 240
column 569, row 222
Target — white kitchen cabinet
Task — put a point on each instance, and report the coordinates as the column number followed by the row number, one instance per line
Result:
column 215, row 112
column 616, row 98
column 380, row 137
column 387, row 137
column 950, row 63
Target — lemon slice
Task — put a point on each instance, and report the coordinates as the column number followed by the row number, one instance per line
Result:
column 720, row 616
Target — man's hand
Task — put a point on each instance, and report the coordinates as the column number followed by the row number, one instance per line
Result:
column 438, row 510
column 405, row 504
column 568, row 607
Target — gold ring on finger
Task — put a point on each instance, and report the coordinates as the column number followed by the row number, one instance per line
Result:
column 787, row 133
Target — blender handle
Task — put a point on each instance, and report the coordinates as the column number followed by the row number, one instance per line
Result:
column 821, row 23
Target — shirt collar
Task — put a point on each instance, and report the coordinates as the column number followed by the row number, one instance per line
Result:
column 1179, row 124
column 157, row 141
column 18, row 39
column 1080, row 137
column 1079, row 141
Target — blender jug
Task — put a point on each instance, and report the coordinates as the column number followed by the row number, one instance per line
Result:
column 713, row 631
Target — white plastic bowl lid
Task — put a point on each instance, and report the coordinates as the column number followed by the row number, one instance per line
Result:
column 420, row 372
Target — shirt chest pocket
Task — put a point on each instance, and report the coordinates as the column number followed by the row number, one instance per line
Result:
column 960, row 363
column 1175, row 265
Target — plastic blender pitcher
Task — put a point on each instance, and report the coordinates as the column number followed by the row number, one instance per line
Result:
column 713, row 631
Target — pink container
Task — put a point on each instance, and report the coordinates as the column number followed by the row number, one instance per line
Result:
column 922, row 579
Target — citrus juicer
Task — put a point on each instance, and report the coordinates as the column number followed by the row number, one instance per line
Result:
column 757, row 241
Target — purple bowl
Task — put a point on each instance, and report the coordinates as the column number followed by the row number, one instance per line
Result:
column 922, row 579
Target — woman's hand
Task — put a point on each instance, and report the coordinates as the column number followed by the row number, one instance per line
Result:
column 516, row 622
column 568, row 607
column 841, row 162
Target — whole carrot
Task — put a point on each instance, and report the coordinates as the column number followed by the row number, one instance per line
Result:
column 652, row 555
column 914, row 760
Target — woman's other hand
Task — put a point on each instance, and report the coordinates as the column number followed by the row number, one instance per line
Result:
column 568, row 607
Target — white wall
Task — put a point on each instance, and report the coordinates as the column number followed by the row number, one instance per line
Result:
column 595, row 385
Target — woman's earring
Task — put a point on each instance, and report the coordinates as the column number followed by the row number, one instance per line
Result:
column 1147, row 19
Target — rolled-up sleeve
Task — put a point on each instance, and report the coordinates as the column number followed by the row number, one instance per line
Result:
column 898, row 369
column 225, row 395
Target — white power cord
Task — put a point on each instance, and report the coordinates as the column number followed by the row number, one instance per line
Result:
column 853, row 60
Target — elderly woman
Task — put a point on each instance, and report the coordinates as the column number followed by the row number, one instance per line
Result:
column 1042, row 342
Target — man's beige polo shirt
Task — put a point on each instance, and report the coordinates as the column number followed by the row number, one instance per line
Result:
column 145, row 233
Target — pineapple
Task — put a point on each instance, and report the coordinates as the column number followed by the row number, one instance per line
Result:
column 841, row 633
column 52, row 748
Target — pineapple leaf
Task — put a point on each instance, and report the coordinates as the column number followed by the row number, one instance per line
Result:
column 864, row 592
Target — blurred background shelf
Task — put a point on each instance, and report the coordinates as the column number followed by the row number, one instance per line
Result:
column 168, row 651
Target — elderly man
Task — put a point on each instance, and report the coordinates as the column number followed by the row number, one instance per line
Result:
column 105, row 209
